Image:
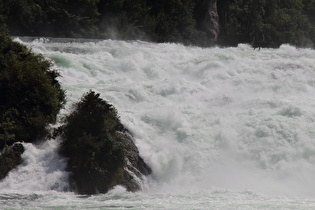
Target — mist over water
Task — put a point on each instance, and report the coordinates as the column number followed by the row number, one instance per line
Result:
column 232, row 122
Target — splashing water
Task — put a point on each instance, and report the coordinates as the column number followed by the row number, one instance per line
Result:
column 220, row 127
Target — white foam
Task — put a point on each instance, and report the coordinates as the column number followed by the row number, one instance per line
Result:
column 42, row 169
column 232, row 118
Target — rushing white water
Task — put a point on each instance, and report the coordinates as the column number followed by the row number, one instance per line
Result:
column 221, row 127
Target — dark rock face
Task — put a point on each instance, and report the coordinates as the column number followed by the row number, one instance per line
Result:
column 135, row 166
column 212, row 21
column 10, row 158
column 100, row 150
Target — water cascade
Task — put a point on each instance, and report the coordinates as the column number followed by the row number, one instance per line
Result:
column 215, row 124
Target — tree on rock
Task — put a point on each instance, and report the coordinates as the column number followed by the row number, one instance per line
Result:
column 98, row 148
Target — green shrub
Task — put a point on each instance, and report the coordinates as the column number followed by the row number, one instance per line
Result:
column 91, row 144
column 92, row 128
column 30, row 95
column 266, row 23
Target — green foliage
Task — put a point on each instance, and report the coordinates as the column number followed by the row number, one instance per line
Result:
column 98, row 146
column 30, row 95
column 91, row 142
column 161, row 21
column 61, row 18
column 286, row 23
column 7, row 126
column 264, row 23
column 91, row 128
column 123, row 19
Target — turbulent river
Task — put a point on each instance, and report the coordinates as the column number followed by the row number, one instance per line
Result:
column 222, row 128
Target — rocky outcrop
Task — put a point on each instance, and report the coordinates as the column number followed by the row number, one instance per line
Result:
column 100, row 150
column 10, row 158
column 135, row 167
column 212, row 21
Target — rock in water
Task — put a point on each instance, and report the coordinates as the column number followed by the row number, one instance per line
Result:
column 100, row 150
column 135, row 166
column 10, row 158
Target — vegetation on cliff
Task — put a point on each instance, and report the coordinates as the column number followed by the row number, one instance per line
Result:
column 267, row 23
column 165, row 20
column 30, row 95
column 99, row 149
column 263, row 23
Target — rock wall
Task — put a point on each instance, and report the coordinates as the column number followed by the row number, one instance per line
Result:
column 212, row 21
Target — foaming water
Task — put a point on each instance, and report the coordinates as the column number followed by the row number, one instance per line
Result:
column 214, row 124
column 42, row 170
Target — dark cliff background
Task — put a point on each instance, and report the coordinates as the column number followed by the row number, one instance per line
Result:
column 262, row 23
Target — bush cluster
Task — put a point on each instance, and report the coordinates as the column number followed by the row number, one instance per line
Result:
column 30, row 95
column 90, row 142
